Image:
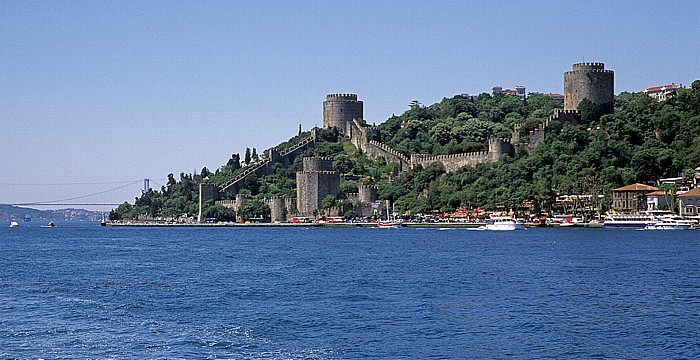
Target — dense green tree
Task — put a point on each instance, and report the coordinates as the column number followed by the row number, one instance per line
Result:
column 247, row 156
column 254, row 208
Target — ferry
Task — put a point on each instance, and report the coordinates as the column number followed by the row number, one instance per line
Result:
column 628, row 221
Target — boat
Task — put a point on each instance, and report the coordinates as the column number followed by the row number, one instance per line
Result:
column 628, row 221
column 50, row 225
column 670, row 224
column 594, row 224
column 27, row 218
column 391, row 222
column 503, row 223
column 14, row 224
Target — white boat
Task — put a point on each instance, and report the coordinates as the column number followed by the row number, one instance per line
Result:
column 14, row 224
column 628, row 221
column 504, row 223
column 390, row 222
column 594, row 224
column 670, row 224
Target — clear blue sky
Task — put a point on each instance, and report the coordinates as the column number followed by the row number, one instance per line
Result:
column 110, row 91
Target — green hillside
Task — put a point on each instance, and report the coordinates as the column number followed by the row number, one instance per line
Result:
column 641, row 141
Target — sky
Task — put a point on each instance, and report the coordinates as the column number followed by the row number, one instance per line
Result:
column 96, row 95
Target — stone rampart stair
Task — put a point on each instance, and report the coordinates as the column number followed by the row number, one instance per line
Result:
column 251, row 170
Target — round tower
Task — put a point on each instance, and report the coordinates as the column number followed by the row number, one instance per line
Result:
column 588, row 81
column 339, row 109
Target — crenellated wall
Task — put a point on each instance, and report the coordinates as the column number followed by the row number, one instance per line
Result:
column 375, row 149
column 497, row 149
column 556, row 120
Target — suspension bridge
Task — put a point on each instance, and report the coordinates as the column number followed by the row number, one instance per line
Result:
column 102, row 197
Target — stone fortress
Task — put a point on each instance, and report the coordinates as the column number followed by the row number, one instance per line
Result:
column 343, row 111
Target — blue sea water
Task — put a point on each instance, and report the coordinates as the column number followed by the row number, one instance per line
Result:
column 84, row 291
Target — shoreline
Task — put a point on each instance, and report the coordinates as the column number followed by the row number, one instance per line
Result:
column 330, row 225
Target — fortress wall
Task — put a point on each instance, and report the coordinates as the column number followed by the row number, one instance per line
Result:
column 356, row 133
column 367, row 194
column 497, row 149
column 554, row 122
column 452, row 162
column 277, row 208
column 375, row 149
column 210, row 192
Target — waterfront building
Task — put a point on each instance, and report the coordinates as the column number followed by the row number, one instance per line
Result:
column 689, row 203
column 658, row 200
column 631, row 199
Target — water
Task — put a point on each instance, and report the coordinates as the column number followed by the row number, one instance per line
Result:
column 83, row 291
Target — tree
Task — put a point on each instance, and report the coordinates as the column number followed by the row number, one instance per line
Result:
column 254, row 208
column 328, row 202
column 234, row 162
column 122, row 212
column 246, row 157
column 218, row 212
column 254, row 155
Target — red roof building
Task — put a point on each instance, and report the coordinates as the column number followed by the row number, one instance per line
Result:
column 631, row 198
column 663, row 92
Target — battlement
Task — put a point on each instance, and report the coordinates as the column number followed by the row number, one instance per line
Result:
column 588, row 65
column 432, row 158
column 600, row 71
column 313, row 164
column 388, row 150
column 496, row 140
column 341, row 97
column 367, row 187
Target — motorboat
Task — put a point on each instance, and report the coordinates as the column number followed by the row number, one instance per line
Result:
column 670, row 224
column 50, row 225
column 14, row 224
column 503, row 223
column 594, row 224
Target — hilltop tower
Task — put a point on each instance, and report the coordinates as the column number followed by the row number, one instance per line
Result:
column 340, row 109
column 588, row 81
column 314, row 183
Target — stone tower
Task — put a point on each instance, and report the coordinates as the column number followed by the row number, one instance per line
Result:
column 339, row 109
column 314, row 183
column 588, row 81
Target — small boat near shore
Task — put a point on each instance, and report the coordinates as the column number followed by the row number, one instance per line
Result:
column 14, row 224
column 503, row 223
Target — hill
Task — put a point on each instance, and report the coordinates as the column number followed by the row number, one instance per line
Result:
column 642, row 140
column 11, row 212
